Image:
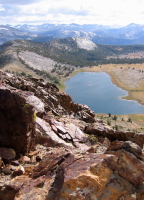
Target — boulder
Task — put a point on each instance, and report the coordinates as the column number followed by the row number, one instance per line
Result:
column 19, row 171
column 127, row 146
column 17, row 125
column 24, row 159
column 7, row 153
column 128, row 166
column 6, row 170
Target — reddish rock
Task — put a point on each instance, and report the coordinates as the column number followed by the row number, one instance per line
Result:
column 7, row 153
column 24, row 159
column 100, row 129
column 127, row 146
column 140, row 192
column 128, row 166
column 17, row 126
column 1, row 162
column 7, row 193
column 90, row 177
column 19, row 171
column 50, row 98
column 63, row 175
column 50, row 162
column 15, row 163
column 47, row 182
column 51, row 171
column 46, row 136
column 82, row 111
column 97, row 148
column 6, row 170
column 103, row 130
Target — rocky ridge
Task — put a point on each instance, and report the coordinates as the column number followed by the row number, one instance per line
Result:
column 84, row 43
column 53, row 148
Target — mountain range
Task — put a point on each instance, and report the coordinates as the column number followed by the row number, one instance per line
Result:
column 128, row 35
column 8, row 33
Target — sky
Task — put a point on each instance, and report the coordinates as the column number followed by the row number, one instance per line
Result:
column 104, row 12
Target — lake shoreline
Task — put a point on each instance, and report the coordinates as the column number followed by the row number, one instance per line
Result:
column 135, row 93
column 99, row 92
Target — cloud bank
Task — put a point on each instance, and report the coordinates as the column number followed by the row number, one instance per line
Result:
column 106, row 12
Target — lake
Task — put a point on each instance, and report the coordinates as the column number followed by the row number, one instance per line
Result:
column 98, row 92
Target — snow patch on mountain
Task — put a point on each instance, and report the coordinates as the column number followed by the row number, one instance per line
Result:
column 84, row 43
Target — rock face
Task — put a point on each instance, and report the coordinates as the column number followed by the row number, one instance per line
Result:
column 105, row 131
column 17, row 125
column 46, row 152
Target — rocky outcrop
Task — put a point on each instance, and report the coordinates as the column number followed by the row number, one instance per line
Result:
column 80, row 110
column 62, row 175
column 52, row 148
column 25, row 109
column 128, row 146
column 55, row 101
column 16, row 120
column 101, row 130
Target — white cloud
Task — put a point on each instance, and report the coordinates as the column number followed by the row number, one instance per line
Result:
column 108, row 12
column 2, row 9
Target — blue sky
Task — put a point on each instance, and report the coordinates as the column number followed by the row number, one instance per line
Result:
column 106, row 12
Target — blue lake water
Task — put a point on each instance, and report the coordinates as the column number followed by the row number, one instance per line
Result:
column 98, row 92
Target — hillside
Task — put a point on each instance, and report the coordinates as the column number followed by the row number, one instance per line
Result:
column 68, row 53
column 68, row 50
column 32, row 59
column 53, row 148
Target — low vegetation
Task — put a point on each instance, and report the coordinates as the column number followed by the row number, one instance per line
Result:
column 132, row 122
